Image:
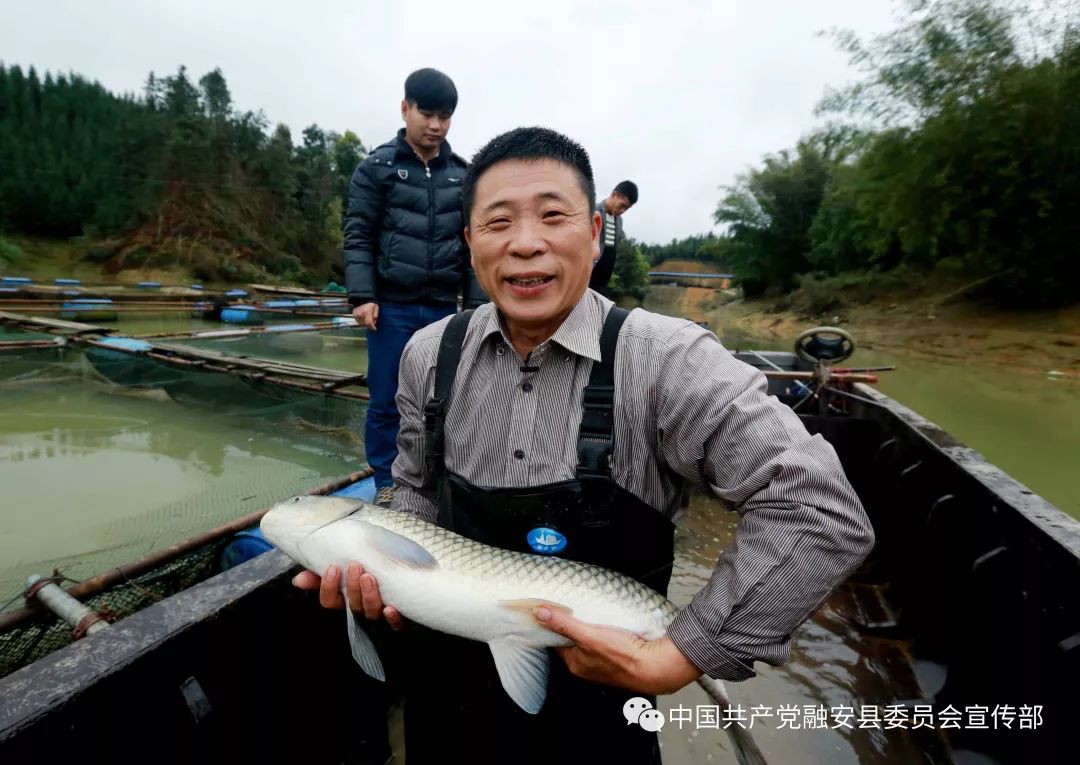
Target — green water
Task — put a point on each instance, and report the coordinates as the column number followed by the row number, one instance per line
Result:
column 94, row 477
column 1025, row 422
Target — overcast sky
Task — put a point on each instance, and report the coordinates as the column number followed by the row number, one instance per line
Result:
column 677, row 95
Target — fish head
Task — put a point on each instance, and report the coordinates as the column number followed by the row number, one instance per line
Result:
column 290, row 522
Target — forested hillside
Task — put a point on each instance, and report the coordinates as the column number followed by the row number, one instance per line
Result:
column 174, row 176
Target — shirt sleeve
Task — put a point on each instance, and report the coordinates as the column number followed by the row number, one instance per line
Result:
column 409, row 471
column 802, row 531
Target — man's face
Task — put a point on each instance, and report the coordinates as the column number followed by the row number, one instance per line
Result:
column 618, row 204
column 533, row 240
column 425, row 129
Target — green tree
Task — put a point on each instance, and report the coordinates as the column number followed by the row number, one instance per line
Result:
column 631, row 273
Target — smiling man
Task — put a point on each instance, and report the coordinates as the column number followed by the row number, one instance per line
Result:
column 551, row 421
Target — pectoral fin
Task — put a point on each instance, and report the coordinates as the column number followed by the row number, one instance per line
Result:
column 363, row 650
column 523, row 672
column 397, row 548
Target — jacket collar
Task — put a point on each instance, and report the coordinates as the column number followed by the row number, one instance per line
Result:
column 403, row 148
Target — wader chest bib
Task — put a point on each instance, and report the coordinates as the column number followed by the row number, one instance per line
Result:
column 456, row 709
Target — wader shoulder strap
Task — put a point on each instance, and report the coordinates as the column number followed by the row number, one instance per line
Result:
column 446, row 366
column 596, row 435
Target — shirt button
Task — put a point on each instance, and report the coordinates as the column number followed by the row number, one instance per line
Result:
column 519, row 454
column 525, row 386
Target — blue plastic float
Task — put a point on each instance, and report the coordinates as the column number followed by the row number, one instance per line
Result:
column 241, row 314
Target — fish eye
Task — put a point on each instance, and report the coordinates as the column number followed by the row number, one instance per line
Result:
column 296, row 499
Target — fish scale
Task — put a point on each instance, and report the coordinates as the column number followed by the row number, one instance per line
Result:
column 479, row 561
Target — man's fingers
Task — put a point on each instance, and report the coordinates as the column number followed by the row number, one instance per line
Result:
column 394, row 618
column 330, row 589
column 353, row 587
column 560, row 621
column 307, row 580
column 374, row 315
column 371, row 601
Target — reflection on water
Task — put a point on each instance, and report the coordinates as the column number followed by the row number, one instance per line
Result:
column 832, row 665
column 94, row 478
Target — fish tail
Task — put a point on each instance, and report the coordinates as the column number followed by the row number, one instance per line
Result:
column 742, row 742
column 743, row 745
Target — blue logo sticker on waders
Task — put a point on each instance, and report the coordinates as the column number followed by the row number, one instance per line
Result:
column 546, row 541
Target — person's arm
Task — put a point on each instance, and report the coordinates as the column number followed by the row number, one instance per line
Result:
column 803, row 529
column 360, row 228
column 410, row 471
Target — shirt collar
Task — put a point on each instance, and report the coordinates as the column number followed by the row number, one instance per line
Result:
column 580, row 331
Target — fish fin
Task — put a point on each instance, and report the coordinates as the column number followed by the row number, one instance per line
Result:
column 399, row 549
column 523, row 671
column 363, row 650
column 743, row 745
column 527, row 605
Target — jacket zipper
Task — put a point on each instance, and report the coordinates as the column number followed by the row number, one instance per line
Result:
column 431, row 218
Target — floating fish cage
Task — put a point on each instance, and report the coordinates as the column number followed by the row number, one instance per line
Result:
column 89, row 309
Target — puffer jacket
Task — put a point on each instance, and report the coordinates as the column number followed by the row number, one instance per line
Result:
column 403, row 229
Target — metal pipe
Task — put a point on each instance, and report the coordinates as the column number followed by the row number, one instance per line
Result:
column 83, row 620
column 98, row 583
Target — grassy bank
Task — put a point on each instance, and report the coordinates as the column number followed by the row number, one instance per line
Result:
column 45, row 259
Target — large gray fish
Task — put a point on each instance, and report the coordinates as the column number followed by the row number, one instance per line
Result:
column 447, row 582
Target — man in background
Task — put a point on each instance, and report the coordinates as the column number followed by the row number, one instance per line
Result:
column 622, row 198
column 405, row 256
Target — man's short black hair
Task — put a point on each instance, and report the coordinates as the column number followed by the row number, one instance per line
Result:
column 629, row 190
column 529, row 143
column 431, row 90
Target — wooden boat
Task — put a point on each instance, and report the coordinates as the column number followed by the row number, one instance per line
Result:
column 973, row 573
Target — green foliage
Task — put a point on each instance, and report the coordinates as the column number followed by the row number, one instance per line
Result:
column 174, row 175
column 697, row 247
column 631, row 273
column 769, row 211
column 979, row 167
column 10, row 253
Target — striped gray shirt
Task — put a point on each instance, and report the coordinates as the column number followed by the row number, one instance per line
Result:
column 687, row 414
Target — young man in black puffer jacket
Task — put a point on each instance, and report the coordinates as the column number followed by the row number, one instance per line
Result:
column 405, row 255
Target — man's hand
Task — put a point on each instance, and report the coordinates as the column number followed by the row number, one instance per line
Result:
column 618, row 657
column 366, row 315
column 361, row 587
